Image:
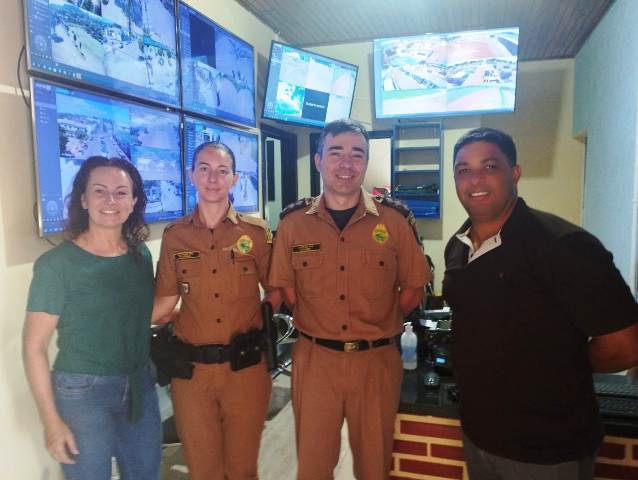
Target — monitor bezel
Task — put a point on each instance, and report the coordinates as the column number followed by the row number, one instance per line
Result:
column 40, row 217
column 302, row 122
column 101, row 89
column 434, row 115
column 198, row 113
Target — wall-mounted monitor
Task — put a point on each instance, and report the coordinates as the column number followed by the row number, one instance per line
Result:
column 460, row 73
column 126, row 46
column 306, row 88
column 245, row 193
column 218, row 73
column 71, row 125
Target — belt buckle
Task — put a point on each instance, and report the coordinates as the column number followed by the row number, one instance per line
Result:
column 350, row 347
column 213, row 354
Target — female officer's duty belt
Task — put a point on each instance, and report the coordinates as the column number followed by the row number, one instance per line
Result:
column 352, row 346
column 208, row 353
column 244, row 350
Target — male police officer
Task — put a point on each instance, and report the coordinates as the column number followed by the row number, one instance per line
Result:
column 352, row 267
column 214, row 260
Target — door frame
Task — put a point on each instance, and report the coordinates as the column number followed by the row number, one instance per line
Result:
column 288, row 141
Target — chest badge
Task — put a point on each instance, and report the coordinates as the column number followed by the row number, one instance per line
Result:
column 380, row 233
column 244, row 244
column 187, row 255
column 309, row 247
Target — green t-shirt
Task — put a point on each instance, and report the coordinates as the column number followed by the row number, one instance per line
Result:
column 104, row 305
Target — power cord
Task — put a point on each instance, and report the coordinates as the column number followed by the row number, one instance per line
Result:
column 24, row 97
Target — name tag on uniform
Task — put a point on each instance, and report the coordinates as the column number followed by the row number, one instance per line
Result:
column 188, row 255
column 309, row 247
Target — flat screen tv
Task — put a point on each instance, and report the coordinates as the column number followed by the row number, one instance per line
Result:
column 218, row 73
column 306, row 88
column 245, row 193
column 126, row 46
column 462, row 73
column 70, row 125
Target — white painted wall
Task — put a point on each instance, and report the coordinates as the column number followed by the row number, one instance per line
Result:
column 606, row 112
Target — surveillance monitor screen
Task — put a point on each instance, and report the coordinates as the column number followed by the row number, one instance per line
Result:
column 461, row 73
column 126, row 46
column 71, row 125
column 218, row 76
column 306, row 88
column 245, row 193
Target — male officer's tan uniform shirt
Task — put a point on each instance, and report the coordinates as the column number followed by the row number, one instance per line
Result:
column 216, row 272
column 347, row 281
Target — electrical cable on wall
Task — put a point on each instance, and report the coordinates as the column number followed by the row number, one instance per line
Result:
column 24, row 97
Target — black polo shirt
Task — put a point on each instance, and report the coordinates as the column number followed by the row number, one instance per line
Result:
column 523, row 313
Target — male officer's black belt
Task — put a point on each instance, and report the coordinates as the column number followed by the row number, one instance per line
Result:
column 208, row 353
column 353, row 346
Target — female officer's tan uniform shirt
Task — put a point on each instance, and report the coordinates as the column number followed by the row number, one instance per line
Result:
column 347, row 281
column 216, row 272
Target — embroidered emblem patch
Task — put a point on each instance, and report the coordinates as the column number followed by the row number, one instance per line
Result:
column 244, row 244
column 188, row 255
column 309, row 247
column 380, row 233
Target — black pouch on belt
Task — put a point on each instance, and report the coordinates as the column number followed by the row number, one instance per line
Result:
column 245, row 349
column 169, row 355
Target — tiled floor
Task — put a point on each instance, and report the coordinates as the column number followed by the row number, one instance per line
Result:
column 277, row 454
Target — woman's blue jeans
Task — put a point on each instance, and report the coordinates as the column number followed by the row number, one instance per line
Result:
column 96, row 409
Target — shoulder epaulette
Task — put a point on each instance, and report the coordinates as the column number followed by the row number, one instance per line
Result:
column 172, row 224
column 302, row 202
column 258, row 222
column 398, row 205
column 404, row 210
column 179, row 221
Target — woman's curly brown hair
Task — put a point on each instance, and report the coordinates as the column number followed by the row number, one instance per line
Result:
column 135, row 230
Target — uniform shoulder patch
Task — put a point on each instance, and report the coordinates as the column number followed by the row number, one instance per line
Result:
column 404, row 210
column 258, row 222
column 172, row 224
column 302, row 202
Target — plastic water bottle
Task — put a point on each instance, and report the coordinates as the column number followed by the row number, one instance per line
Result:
column 408, row 348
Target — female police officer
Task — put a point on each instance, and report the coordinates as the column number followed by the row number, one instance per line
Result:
column 214, row 260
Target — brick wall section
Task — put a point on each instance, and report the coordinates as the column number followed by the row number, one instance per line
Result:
column 427, row 447
column 438, row 441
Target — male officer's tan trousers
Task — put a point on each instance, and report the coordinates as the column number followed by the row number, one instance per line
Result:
column 362, row 387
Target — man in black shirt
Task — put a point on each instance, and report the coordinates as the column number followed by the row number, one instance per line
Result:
column 538, row 305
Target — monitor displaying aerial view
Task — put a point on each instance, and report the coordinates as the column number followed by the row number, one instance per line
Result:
column 460, row 73
column 307, row 88
column 127, row 46
column 245, row 193
column 218, row 76
column 71, row 125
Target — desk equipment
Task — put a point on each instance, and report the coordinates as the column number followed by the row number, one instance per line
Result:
column 618, row 407
column 629, row 390
column 616, row 395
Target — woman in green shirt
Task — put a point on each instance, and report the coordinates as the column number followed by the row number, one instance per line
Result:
column 96, row 289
